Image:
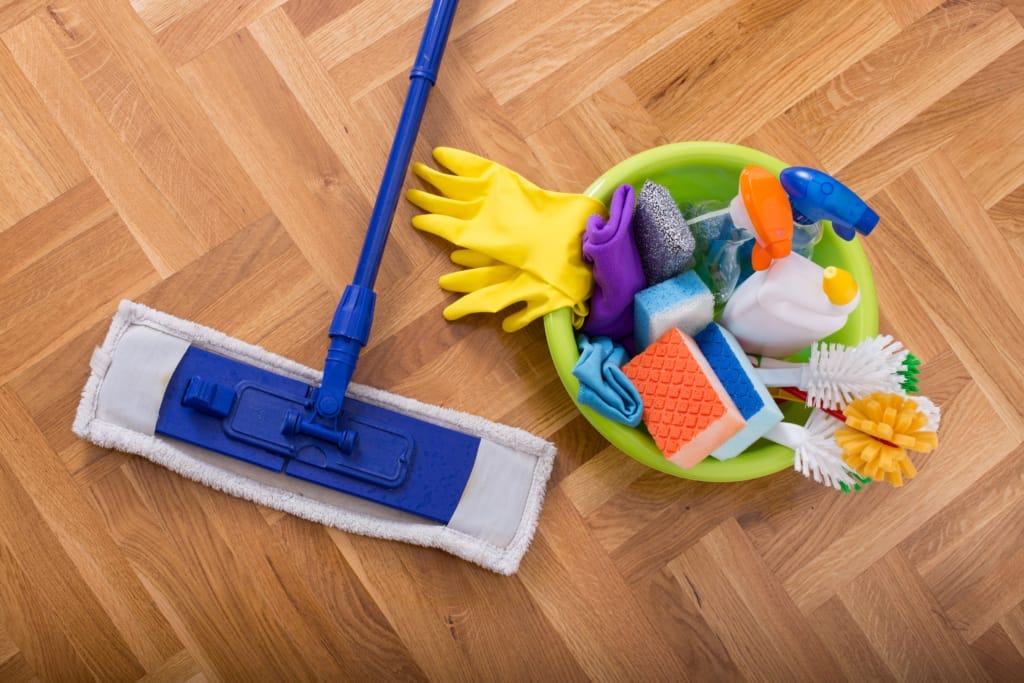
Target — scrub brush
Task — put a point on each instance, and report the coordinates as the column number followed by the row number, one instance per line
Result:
column 879, row 431
column 816, row 454
column 868, row 441
column 837, row 374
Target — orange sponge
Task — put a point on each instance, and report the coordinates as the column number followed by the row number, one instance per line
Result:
column 686, row 409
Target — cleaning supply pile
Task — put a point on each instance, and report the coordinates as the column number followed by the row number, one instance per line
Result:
column 695, row 313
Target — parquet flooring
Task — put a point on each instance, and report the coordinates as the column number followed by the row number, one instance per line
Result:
column 218, row 160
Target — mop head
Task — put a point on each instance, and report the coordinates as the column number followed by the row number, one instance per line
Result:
column 496, row 515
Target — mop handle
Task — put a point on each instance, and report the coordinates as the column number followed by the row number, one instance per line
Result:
column 350, row 328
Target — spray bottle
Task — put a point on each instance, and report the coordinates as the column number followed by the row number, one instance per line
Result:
column 789, row 306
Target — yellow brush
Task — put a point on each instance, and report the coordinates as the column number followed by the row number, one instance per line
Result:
column 879, row 431
column 876, row 432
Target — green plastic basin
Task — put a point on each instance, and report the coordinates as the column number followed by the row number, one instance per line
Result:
column 695, row 171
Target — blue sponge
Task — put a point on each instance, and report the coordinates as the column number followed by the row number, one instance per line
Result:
column 740, row 380
column 683, row 301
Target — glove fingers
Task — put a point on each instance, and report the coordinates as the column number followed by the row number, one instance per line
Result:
column 472, row 259
column 487, row 300
column 454, row 186
column 442, row 226
column 435, row 203
column 462, row 163
column 476, row 278
column 538, row 305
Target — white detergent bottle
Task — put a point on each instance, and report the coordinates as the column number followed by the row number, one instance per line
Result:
column 794, row 303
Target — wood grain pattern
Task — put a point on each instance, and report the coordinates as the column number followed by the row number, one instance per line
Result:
column 218, row 160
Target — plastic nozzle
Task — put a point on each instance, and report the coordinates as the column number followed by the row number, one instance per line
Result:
column 839, row 286
column 770, row 214
column 816, row 196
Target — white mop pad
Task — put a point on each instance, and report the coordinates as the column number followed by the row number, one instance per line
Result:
column 496, row 516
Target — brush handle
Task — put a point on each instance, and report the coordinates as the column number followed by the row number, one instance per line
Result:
column 781, row 377
column 802, row 395
column 350, row 328
column 779, row 373
column 787, row 434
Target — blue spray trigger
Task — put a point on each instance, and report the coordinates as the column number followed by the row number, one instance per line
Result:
column 816, row 196
column 265, row 419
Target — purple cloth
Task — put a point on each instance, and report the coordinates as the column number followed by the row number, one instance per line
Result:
column 618, row 273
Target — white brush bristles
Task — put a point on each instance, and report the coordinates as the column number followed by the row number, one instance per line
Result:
column 818, row 456
column 837, row 374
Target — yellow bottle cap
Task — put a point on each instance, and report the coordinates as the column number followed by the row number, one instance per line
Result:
column 839, row 286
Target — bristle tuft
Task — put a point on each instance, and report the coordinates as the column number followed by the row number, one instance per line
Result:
column 838, row 374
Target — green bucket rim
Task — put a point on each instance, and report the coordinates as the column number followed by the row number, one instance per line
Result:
column 763, row 458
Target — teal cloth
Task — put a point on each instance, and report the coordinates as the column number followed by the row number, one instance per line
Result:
column 603, row 385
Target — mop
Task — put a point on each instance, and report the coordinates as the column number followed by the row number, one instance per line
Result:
column 252, row 424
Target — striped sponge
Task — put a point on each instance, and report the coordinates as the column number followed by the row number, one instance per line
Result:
column 686, row 409
column 684, row 302
column 730, row 363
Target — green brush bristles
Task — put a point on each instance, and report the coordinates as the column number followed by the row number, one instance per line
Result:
column 863, row 481
column 910, row 371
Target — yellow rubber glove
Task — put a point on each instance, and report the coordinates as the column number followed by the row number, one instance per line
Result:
column 531, row 237
column 490, row 286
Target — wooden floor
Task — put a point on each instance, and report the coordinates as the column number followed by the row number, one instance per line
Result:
column 217, row 160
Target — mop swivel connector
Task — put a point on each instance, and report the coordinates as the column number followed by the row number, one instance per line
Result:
column 349, row 333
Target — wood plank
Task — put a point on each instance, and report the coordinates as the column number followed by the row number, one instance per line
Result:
column 174, row 537
column 54, row 575
column 13, row 664
column 997, row 655
column 554, row 576
column 714, row 62
column 565, row 78
column 45, row 230
column 204, row 24
column 38, row 310
column 138, row 92
column 303, row 181
column 30, row 186
column 36, row 129
column 867, row 102
column 990, row 95
column 448, row 612
column 80, row 534
column 747, row 608
column 1013, row 624
column 162, row 235
column 976, row 585
column 314, row 562
column 857, row 659
column 903, row 623
column 927, row 195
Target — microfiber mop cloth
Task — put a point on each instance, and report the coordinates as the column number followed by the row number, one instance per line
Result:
column 496, row 515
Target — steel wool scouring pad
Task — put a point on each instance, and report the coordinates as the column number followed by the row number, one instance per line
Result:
column 663, row 238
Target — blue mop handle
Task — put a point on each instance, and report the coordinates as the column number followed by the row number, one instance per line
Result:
column 350, row 328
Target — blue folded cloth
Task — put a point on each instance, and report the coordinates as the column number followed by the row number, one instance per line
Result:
column 603, row 385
